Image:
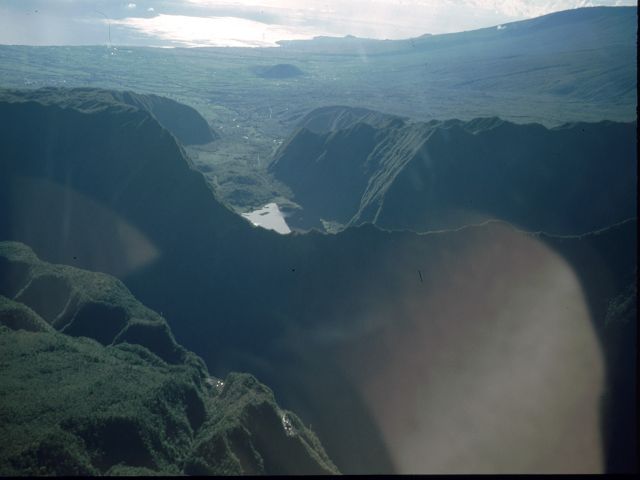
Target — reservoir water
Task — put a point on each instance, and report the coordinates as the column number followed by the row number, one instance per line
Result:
column 269, row 217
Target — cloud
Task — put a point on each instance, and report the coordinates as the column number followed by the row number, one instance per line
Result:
column 213, row 31
column 74, row 22
column 393, row 18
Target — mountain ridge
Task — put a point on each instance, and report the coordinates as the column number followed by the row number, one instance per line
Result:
column 606, row 16
column 183, row 121
column 130, row 402
column 245, row 299
column 394, row 171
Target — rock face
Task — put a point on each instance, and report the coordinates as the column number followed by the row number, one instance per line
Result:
column 249, row 426
column 329, row 119
column 319, row 317
column 112, row 393
column 183, row 121
column 362, row 168
column 80, row 303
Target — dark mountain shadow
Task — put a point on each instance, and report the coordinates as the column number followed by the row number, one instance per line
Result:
column 353, row 166
column 292, row 307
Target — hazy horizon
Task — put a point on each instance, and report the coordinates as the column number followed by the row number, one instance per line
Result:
column 255, row 23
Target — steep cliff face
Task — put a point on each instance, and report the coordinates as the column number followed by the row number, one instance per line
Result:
column 101, row 166
column 183, row 121
column 320, row 317
column 80, row 303
column 428, row 176
column 567, row 180
column 94, row 383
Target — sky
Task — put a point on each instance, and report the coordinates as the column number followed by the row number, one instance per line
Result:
column 254, row 23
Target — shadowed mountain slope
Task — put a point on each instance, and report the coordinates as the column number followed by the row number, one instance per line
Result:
column 322, row 318
column 80, row 303
column 328, row 119
column 438, row 175
column 606, row 262
column 133, row 402
column 183, row 121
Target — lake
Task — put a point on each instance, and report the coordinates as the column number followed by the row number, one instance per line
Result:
column 269, row 217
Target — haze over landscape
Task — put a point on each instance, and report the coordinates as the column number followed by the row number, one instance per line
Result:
column 407, row 245
column 255, row 23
